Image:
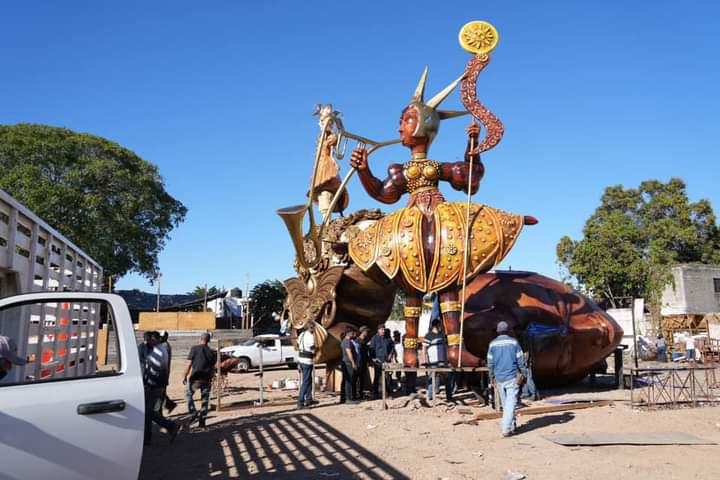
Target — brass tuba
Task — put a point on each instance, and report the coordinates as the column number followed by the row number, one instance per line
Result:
column 295, row 215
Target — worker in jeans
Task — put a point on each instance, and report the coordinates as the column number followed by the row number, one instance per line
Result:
column 200, row 370
column 155, row 381
column 505, row 359
column 306, row 355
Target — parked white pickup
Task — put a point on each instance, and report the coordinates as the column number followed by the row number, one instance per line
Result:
column 275, row 350
column 72, row 418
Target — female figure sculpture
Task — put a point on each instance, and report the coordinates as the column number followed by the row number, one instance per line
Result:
column 422, row 247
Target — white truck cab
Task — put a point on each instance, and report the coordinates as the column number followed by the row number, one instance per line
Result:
column 275, row 350
column 63, row 414
column 66, row 417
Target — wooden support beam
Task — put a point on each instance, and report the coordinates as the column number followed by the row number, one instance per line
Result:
column 538, row 410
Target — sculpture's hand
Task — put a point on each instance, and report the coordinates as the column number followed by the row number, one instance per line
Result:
column 473, row 131
column 359, row 158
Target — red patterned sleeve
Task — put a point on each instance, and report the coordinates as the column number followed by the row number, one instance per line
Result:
column 386, row 191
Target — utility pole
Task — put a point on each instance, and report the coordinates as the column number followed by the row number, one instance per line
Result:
column 157, row 307
column 205, row 303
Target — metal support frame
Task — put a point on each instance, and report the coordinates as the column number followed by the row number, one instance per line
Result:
column 654, row 387
column 432, row 371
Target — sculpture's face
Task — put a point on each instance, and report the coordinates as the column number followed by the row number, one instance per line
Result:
column 408, row 125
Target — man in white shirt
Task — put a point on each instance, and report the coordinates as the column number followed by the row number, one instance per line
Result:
column 690, row 348
column 306, row 346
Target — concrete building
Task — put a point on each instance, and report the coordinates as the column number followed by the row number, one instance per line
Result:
column 696, row 291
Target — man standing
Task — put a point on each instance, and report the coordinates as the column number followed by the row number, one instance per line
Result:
column 505, row 359
column 155, row 380
column 306, row 355
column 8, row 356
column 164, row 335
column 145, row 347
column 349, row 367
column 434, row 351
column 361, row 351
column 690, row 349
column 660, row 348
column 381, row 351
column 200, row 369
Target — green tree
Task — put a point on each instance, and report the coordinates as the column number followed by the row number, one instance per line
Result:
column 635, row 236
column 199, row 291
column 103, row 197
column 267, row 298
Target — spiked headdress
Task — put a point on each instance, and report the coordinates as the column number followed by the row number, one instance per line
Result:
column 428, row 116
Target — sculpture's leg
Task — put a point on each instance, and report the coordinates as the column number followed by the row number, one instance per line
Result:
column 413, row 308
column 450, row 311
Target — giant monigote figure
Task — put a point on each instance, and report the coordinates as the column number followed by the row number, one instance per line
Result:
column 350, row 267
column 422, row 247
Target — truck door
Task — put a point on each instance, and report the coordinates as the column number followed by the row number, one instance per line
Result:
column 271, row 352
column 288, row 354
column 76, row 408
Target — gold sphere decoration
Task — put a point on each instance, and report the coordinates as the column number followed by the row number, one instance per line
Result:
column 413, row 172
column 478, row 37
column 430, row 172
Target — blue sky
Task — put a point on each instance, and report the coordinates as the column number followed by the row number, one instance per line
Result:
column 219, row 96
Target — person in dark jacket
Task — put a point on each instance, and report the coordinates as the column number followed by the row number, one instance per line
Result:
column 349, row 367
column 382, row 350
column 362, row 375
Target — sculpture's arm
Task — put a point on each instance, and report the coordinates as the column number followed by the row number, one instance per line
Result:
column 386, row 191
column 457, row 173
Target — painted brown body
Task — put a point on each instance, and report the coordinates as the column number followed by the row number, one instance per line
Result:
column 566, row 332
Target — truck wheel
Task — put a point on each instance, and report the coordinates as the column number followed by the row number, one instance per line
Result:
column 292, row 366
column 243, row 365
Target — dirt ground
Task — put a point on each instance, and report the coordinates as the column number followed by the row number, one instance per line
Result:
column 412, row 441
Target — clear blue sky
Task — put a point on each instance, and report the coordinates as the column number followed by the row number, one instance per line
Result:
column 219, row 96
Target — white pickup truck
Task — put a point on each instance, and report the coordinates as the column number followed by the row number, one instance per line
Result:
column 67, row 417
column 275, row 350
column 63, row 414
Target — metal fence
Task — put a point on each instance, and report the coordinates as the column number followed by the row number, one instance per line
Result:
column 673, row 387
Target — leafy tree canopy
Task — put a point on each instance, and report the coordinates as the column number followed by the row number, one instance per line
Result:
column 103, row 197
column 267, row 298
column 635, row 236
column 199, row 291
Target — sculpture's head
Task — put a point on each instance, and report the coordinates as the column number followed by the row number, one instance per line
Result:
column 420, row 120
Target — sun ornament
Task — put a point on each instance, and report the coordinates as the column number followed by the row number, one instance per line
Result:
column 478, row 37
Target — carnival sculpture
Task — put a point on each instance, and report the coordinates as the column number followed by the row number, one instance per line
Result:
column 349, row 268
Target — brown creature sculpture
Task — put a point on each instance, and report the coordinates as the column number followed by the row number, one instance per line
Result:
column 422, row 247
column 566, row 333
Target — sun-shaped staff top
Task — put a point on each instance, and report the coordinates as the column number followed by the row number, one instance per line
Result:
column 478, row 37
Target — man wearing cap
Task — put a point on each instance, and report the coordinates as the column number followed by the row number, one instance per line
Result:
column 505, row 359
column 8, row 356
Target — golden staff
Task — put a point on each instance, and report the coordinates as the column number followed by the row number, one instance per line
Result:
column 479, row 38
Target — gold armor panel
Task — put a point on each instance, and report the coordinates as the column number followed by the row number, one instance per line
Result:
column 397, row 239
column 412, row 260
column 421, row 173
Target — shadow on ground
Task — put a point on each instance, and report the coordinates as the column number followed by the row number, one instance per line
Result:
column 277, row 445
column 535, row 423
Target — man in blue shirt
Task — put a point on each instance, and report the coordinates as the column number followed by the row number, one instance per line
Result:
column 505, row 359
